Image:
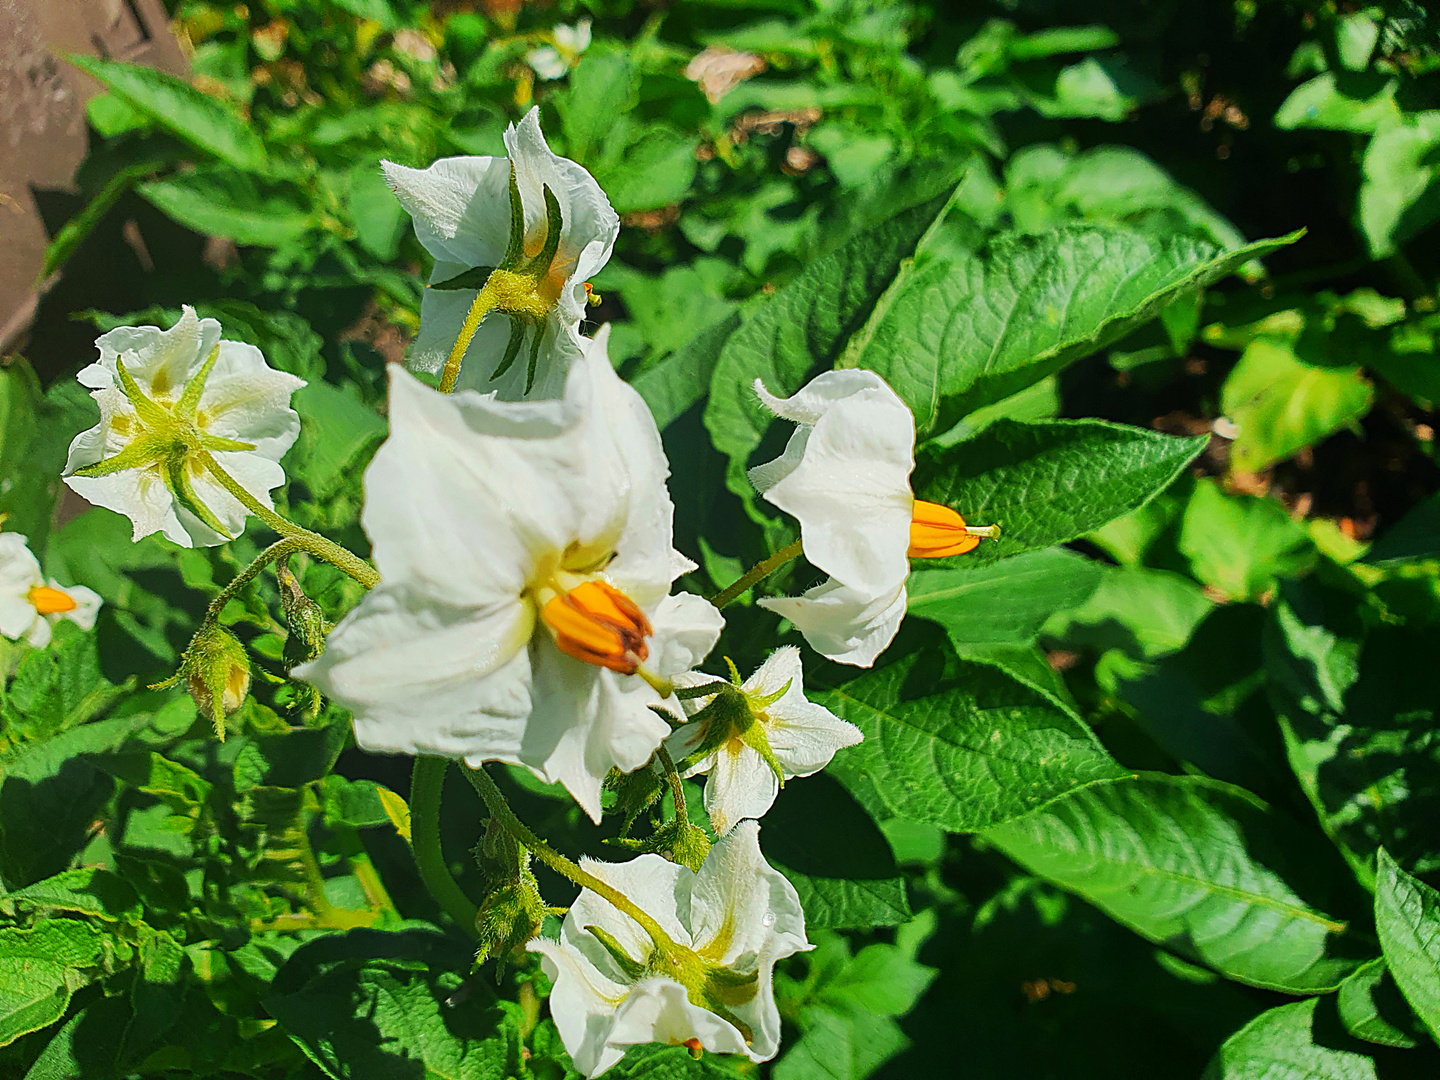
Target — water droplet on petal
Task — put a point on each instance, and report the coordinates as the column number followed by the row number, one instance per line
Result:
column 768, row 919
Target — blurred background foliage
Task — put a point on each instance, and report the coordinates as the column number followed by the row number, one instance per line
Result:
column 1267, row 622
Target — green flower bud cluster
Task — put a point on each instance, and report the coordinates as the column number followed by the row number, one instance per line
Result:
column 512, row 911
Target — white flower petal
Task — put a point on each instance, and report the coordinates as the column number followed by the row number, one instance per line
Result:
column 425, row 678
column 841, row 624
column 847, row 481
column 547, row 62
column 582, row 1004
column 460, row 207
column 686, row 629
column 584, row 721
column 86, row 609
column 741, row 785
column 657, row 1009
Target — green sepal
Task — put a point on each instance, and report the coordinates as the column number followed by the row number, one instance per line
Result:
column 676, row 840
column 218, row 442
column 147, row 410
column 635, row 792
column 539, row 336
column 141, row 452
column 515, row 249
column 179, row 478
column 474, row 278
column 539, row 266
column 190, row 396
column 634, row 970
column 512, row 347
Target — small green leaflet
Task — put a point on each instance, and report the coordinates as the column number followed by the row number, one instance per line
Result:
column 1284, row 1044
column 1407, row 918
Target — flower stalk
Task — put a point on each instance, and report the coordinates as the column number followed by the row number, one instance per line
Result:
column 757, row 573
column 425, row 785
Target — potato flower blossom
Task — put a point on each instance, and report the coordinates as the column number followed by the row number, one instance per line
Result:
column 771, row 734
column 30, row 606
column 171, row 401
column 518, row 236
column 523, row 612
column 555, row 61
column 615, row 986
column 845, row 476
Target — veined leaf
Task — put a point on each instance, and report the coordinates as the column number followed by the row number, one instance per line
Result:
column 1201, row 866
column 951, row 337
column 1050, row 482
column 1008, row 601
column 1283, row 1044
column 197, row 118
column 1407, row 917
column 804, row 328
column 225, row 202
column 957, row 743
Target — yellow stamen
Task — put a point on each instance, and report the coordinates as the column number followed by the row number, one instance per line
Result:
column 600, row 625
column 48, row 601
column 937, row 531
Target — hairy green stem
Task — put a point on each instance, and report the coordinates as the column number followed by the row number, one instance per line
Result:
column 317, row 545
column 763, row 569
column 273, row 553
column 672, row 776
column 484, row 302
column 494, row 800
column 425, row 784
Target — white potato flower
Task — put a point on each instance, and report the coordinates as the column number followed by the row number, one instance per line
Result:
column 517, row 236
column 525, row 560
column 555, row 61
column 772, row 733
column 171, row 400
column 615, row 986
column 845, row 476
column 29, row 605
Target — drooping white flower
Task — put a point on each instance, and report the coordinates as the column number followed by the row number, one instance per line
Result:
column 525, row 561
column 734, row 919
column 464, row 216
column 780, row 735
column 554, row 61
column 169, row 400
column 29, row 605
column 845, row 476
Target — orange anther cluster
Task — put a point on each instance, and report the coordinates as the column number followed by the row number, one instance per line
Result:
column 937, row 531
column 48, row 601
column 599, row 624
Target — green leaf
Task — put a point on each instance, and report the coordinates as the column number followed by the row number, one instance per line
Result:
column 1401, row 192
column 1008, row 601
column 1143, row 612
column 40, row 968
column 680, row 380
column 803, row 328
column 957, row 743
column 845, row 874
column 1047, row 483
column 657, row 1061
column 1240, row 544
column 1362, row 102
column 1280, row 404
column 91, row 891
column 337, row 428
column 1407, row 918
column 951, row 337
column 603, row 88
column 372, row 1004
column 836, row 1046
column 881, row 980
column 197, row 118
column 1371, row 1007
column 35, row 432
column 1291, row 1042
column 1201, row 866
column 220, row 201
column 50, row 794
column 377, row 215
column 56, row 688
column 655, row 170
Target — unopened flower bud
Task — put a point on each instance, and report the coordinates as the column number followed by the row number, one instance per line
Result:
column 512, row 912
column 216, row 671
column 305, row 621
